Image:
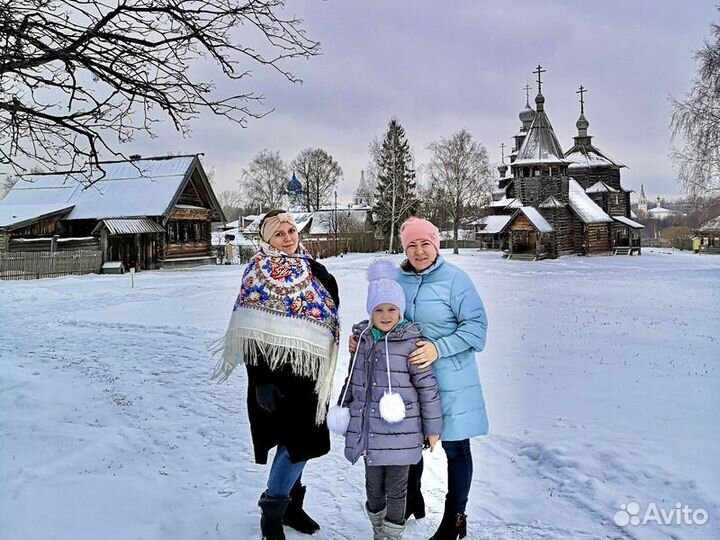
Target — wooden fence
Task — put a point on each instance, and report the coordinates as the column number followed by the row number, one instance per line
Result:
column 44, row 264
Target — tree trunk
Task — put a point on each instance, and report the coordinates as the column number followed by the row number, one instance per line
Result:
column 455, row 237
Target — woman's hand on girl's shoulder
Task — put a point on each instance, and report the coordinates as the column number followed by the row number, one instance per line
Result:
column 425, row 354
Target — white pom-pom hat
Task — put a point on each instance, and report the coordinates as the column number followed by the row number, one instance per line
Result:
column 383, row 287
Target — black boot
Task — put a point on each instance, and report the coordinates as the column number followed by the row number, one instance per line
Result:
column 271, row 519
column 452, row 526
column 415, row 505
column 295, row 516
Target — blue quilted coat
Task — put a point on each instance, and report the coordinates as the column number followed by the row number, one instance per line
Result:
column 444, row 303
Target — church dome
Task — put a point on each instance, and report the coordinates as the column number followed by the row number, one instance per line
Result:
column 527, row 115
column 582, row 123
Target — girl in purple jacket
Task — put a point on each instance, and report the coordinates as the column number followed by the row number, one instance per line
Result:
column 388, row 407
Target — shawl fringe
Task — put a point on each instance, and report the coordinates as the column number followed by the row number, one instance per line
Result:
column 306, row 347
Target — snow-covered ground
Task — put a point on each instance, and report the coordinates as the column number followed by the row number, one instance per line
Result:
column 601, row 377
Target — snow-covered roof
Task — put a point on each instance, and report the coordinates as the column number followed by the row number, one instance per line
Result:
column 506, row 203
column 584, row 207
column 353, row 218
column 15, row 215
column 218, row 238
column 130, row 226
column 232, row 225
column 144, row 187
column 539, row 222
column 493, row 224
column 540, row 144
column 629, row 222
column 661, row 210
column 587, row 156
column 601, row 187
column 633, row 215
column 711, row 226
column 463, row 234
column 551, row 202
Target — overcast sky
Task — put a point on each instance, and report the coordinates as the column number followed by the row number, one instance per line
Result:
column 440, row 66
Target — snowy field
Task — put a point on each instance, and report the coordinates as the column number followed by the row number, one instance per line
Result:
column 601, row 377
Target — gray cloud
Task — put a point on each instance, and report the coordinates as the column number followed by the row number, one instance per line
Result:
column 442, row 66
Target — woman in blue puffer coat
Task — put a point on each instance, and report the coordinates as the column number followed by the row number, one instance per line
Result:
column 442, row 299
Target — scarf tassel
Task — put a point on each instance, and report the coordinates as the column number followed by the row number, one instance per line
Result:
column 305, row 360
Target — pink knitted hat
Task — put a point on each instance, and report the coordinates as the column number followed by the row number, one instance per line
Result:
column 419, row 229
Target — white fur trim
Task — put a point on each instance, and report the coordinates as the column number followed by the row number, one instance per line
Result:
column 338, row 419
column 392, row 407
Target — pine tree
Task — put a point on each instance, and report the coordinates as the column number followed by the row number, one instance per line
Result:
column 395, row 196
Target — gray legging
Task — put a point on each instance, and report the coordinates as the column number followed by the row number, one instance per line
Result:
column 386, row 485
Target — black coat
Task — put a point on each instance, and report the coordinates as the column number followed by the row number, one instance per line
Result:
column 292, row 424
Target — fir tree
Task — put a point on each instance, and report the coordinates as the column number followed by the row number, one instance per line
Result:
column 395, row 196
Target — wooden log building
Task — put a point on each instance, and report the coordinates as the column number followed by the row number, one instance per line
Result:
column 578, row 193
column 708, row 235
column 146, row 213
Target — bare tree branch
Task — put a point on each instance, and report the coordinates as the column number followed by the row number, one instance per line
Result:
column 79, row 76
column 264, row 181
column 461, row 178
column 319, row 174
column 695, row 124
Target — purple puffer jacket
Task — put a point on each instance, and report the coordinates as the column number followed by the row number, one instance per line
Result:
column 368, row 434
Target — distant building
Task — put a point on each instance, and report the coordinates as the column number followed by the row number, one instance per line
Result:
column 642, row 202
column 661, row 213
column 294, row 192
column 364, row 195
column 709, row 235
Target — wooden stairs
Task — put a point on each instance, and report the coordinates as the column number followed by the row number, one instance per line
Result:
column 522, row 257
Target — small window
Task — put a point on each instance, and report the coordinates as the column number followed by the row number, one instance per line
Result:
column 185, row 233
column 173, row 232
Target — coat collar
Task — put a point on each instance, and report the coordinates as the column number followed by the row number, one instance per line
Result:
column 410, row 330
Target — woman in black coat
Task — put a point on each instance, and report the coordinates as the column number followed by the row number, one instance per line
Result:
column 284, row 328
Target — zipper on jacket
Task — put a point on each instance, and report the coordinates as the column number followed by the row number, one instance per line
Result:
column 368, row 400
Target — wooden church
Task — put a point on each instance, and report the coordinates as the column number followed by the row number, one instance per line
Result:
column 559, row 202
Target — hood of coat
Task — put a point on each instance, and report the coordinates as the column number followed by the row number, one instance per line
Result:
column 409, row 331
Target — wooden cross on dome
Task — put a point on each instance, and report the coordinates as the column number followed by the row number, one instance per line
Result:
column 527, row 94
column 582, row 91
column 539, row 72
column 502, row 151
